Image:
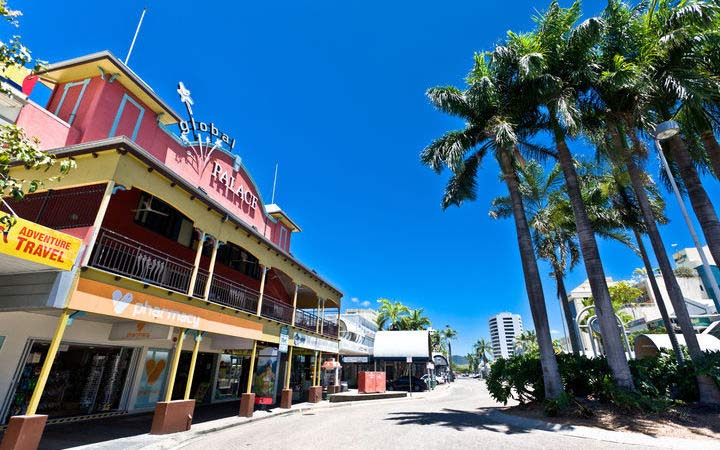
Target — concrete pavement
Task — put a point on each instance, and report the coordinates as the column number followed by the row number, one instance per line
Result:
column 461, row 417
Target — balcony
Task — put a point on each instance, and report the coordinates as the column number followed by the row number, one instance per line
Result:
column 273, row 308
column 124, row 256
column 226, row 292
column 121, row 255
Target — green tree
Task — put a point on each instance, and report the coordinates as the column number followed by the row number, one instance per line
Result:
column 526, row 343
column 414, row 320
column 15, row 146
column 498, row 120
column 391, row 314
column 646, row 65
column 556, row 62
column 482, row 348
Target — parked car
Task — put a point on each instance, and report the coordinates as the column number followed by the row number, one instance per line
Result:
column 437, row 378
column 402, row 384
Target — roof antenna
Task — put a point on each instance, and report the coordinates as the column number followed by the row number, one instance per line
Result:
column 137, row 30
column 272, row 199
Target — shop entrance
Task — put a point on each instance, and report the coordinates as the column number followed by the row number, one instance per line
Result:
column 83, row 380
column 202, row 378
column 230, row 368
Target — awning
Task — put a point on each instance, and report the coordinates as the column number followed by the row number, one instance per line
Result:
column 649, row 345
column 400, row 345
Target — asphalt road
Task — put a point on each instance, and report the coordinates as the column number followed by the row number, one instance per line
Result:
column 459, row 417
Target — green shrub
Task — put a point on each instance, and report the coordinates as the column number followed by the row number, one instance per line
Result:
column 518, row 377
column 659, row 381
column 662, row 377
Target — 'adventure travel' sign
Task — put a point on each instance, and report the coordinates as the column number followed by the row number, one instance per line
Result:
column 30, row 241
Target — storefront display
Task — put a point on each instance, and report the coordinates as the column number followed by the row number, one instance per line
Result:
column 153, row 377
column 265, row 376
column 227, row 386
column 301, row 375
column 83, row 380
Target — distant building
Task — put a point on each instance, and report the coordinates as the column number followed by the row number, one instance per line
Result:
column 368, row 314
column 504, row 328
column 690, row 258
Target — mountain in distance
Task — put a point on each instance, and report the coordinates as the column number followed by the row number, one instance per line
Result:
column 460, row 360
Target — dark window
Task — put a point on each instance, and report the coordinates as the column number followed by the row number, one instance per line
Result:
column 237, row 258
column 158, row 216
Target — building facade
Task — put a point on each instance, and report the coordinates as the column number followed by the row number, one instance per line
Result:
column 186, row 287
column 504, row 328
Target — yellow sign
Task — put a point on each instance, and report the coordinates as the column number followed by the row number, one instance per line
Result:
column 96, row 297
column 28, row 240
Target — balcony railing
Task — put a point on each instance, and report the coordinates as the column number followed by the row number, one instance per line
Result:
column 275, row 309
column 119, row 254
column 306, row 320
column 226, row 292
column 124, row 256
column 330, row 329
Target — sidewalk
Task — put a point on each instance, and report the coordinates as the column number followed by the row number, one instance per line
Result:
column 131, row 432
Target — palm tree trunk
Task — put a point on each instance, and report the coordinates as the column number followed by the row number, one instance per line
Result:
column 658, row 297
column 551, row 373
column 709, row 392
column 712, row 148
column 614, row 347
column 569, row 318
column 703, row 207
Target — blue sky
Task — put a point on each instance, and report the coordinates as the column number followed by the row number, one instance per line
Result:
column 334, row 92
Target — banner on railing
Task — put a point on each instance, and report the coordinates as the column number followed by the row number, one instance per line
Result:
column 101, row 298
column 32, row 242
column 303, row 340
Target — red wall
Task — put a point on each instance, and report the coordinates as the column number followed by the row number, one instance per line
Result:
column 120, row 219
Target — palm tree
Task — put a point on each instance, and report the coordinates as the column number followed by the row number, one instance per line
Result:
column 557, row 64
column 482, row 348
column 448, row 334
column 493, row 110
column 623, row 98
column 526, row 343
column 391, row 313
column 673, row 40
column 415, row 320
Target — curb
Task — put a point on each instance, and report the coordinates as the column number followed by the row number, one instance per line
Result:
column 609, row 436
column 172, row 443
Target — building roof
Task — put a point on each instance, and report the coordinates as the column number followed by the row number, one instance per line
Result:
column 401, row 344
column 105, row 64
column 275, row 211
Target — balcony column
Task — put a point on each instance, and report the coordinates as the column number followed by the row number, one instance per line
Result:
column 174, row 365
column 317, row 316
column 322, row 317
column 295, row 296
column 286, row 395
column 193, row 360
column 196, row 266
column 262, row 288
column 211, row 269
column 172, row 416
column 97, row 223
column 247, row 401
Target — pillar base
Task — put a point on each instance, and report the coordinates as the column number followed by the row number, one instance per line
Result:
column 172, row 417
column 315, row 394
column 247, row 405
column 23, row 432
column 286, row 399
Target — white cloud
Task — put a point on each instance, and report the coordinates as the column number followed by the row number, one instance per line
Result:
column 365, row 304
column 354, row 299
column 556, row 332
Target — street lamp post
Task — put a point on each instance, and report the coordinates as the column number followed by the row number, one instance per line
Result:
column 665, row 131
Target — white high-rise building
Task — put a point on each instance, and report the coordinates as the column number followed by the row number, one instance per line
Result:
column 504, row 328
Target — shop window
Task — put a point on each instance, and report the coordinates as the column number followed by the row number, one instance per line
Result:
column 158, row 216
column 237, row 258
